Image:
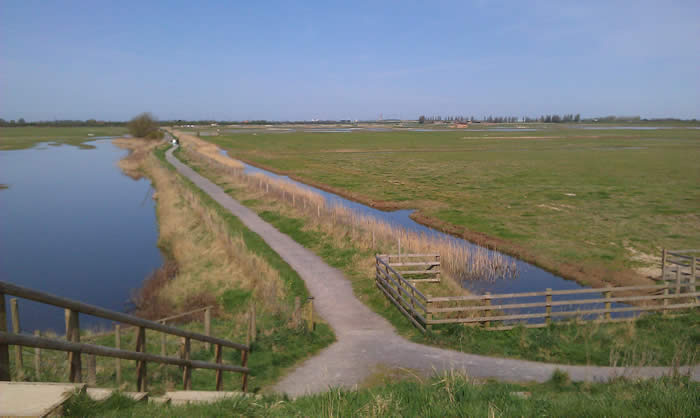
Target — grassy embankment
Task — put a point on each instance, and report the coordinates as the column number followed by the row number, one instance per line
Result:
column 592, row 205
column 653, row 340
column 449, row 395
column 219, row 262
column 27, row 137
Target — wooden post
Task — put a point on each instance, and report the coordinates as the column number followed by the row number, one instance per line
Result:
column 399, row 249
column 678, row 280
column 310, row 319
column 187, row 373
column 548, row 301
column 665, row 311
column 252, row 325
column 372, row 239
column 244, row 378
column 207, row 326
column 429, row 313
column 219, row 373
column 691, row 280
column 488, row 311
column 19, row 364
column 608, row 294
column 318, row 211
column 4, row 348
column 141, row 364
column 92, row 370
column 37, row 357
column 73, row 335
column 163, row 352
column 118, row 361
column 663, row 264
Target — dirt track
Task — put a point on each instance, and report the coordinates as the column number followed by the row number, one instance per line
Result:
column 366, row 340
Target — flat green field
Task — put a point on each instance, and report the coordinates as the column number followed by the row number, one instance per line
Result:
column 28, row 136
column 593, row 205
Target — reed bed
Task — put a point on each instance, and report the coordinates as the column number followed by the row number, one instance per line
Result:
column 461, row 262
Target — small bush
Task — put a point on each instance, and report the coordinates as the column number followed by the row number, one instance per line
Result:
column 144, row 126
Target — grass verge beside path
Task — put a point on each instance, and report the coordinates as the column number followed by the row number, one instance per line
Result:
column 443, row 396
column 652, row 340
column 27, row 137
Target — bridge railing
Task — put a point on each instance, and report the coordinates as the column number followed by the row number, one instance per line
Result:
column 74, row 347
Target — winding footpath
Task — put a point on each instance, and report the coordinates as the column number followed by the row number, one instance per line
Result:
column 365, row 340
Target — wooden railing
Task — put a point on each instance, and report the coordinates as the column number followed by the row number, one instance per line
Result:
column 681, row 267
column 415, row 267
column 506, row 311
column 75, row 348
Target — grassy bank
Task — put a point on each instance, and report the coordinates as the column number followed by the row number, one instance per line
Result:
column 653, row 340
column 444, row 396
column 27, row 137
column 593, row 205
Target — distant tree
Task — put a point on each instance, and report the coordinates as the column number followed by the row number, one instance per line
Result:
column 91, row 122
column 421, row 119
column 144, row 126
column 577, row 118
column 21, row 121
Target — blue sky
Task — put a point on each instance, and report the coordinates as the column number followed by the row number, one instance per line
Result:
column 350, row 60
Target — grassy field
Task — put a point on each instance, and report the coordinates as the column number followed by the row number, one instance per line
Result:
column 652, row 340
column 592, row 205
column 448, row 395
column 27, row 137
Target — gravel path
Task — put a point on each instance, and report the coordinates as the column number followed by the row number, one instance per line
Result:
column 365, row 340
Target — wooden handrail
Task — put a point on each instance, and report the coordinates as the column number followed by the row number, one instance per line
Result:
column 554, row 293
column 85, row 308
column 404, row 281
column 52, row 344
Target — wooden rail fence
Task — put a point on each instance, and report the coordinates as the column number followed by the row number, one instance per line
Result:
column 75, row 348
column 681, row 267
column 505, row 311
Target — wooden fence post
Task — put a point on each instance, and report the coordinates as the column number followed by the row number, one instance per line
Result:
column 219, row 372
column 207, row 326
column 163, row 352
column 665, row 311
column 187, row 372
column 548, row 301
column 73, row 335
column 429, row 313
column 693, row 270
column 91, row 370
column 608, row 294
column 488, row 311
column 37, row 357
column 19, row 364
column 141, row 364
column 244, row 363
column 118, row 361
column 252, row 324
column 399, row 239
column 4, row 348
column 663, row 264
column 373, row 240
column 678, row 280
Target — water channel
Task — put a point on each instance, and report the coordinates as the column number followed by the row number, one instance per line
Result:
column 72, row 224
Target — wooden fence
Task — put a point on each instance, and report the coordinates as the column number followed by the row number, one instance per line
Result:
column 536, row 309
column 75, row 348
column 415, row 267
column 681, row 267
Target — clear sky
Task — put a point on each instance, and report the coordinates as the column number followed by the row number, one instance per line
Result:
column 351, row 60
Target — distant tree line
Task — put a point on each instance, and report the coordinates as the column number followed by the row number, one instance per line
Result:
column 63, row 122
column 568, row 118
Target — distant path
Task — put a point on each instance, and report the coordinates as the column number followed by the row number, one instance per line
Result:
column 365, row 339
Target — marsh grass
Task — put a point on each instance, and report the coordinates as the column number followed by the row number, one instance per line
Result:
column 450, row 394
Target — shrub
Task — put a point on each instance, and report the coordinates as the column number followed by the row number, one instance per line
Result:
column 144, row 126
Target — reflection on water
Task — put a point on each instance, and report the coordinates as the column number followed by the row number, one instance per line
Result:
column 72, row 224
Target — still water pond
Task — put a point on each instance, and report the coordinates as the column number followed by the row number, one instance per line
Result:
column 72, row 224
